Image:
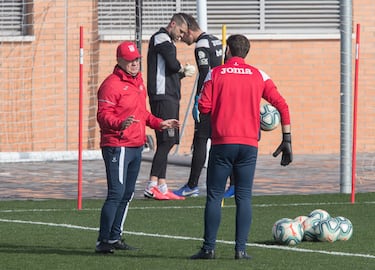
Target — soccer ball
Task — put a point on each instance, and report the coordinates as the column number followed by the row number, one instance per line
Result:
column 309, row 228
column 300, row 219
column 320, row 214
column 311, row 222
column 328, row 230
column 346, row 228
column 287, row 232
column 269, row 117
column 276, row 224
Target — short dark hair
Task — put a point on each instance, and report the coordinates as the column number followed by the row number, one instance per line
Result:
column 179, row 18
column 191, row 22
column 239, row 45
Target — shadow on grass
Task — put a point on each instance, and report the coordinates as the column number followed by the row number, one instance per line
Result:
column 48, row 250
column 17, row 249
column 267, row 243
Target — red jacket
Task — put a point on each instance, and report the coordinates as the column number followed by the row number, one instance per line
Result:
column 119, row 96
column 232, row 94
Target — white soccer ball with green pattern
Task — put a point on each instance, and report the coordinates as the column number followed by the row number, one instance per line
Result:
column 328, row 230
column 287, row 232
column 269, row 117
column 346, row 228
column 308, row 226
column 300, row 219
column 320, row 214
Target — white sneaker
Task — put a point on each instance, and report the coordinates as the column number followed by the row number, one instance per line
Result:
column 148, row 193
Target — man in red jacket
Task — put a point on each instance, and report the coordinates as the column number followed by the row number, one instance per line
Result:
column 232, row 94
column 122, row 117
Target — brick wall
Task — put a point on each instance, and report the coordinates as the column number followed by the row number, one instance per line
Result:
column 40, row 82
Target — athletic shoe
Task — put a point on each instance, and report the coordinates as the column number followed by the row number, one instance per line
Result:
column 172, row 196
column 121, row 245
column 148, row 193
column 241, row 255
column 229, row 193
column 104, row 248
column 204, row 254
column 185, row 191
column 157, row 195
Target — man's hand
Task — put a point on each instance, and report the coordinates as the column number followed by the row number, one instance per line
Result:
column 188, row 70
column 195, row 111
column 169, row 123
column 286, row 148
column 128, row 121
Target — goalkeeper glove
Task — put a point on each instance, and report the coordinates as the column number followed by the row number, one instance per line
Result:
column 195, row 110
column 286, row 148
column 188, row 70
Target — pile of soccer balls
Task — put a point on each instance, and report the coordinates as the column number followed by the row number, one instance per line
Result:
column 316, row 226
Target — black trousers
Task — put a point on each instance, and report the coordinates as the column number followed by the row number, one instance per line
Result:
column 165, row 139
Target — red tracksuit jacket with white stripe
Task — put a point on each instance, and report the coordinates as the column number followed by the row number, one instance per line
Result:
column 232, row 94
column 119, row 96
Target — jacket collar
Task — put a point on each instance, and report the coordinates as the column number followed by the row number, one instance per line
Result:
column 164, row 30
column 201, row 36
column 234, row 59
column 125, row 76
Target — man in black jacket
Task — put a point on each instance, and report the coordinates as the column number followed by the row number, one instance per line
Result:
column 164, row 73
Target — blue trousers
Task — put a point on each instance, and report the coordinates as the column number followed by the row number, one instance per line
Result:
column 223, row 160
column 122, row 167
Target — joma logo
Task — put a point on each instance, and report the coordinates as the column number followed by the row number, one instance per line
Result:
column 236, row 70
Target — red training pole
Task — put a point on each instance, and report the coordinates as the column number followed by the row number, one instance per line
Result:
column 79, row 196
column 354, row 149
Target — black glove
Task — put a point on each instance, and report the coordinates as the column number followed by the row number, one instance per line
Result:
column 286, row 148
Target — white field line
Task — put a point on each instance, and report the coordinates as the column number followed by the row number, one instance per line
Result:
column 295, row 249
column 183, row 207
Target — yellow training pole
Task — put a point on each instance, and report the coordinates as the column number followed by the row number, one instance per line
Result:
column 224, row 39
